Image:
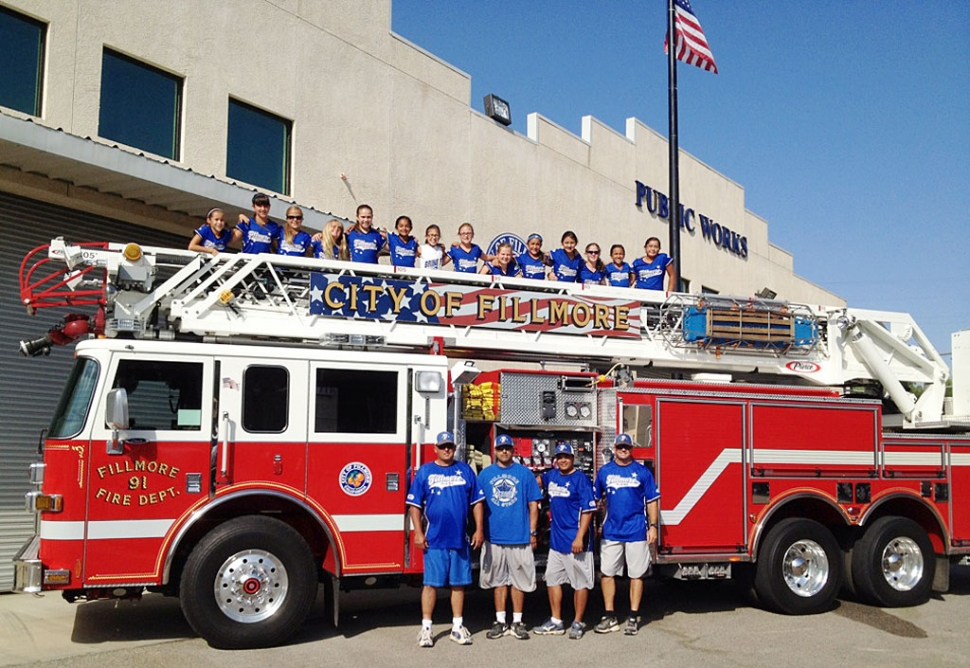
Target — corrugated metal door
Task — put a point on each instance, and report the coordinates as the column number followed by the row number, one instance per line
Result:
column 29, row 387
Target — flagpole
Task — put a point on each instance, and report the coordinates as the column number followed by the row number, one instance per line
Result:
column 673, row 217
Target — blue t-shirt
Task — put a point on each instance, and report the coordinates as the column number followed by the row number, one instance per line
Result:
column 569, row 497
column 320, row 254
column 402, row 253
column 508, row 492
column 618, row 276
column 532, row 267
column 513, row 269
column 465, row 261
column 210, row 240
column 589, row 276
column 566, row 269
column 257, row 238
column 297, row 247
column 650, row 275
column 446, row 493
column 627, row 490
column 364, row 246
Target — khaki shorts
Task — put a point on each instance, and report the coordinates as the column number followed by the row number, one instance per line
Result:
column 614, row 553
column 576, row 570
column 503, row 565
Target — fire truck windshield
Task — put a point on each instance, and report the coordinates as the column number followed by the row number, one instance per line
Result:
column 75, row 401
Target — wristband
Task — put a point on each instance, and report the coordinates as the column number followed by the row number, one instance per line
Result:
column 655, row 525
column 533, row 533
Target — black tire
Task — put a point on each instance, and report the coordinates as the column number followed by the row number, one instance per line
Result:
column 893, row 563
column 799, row 568
column 265, row 608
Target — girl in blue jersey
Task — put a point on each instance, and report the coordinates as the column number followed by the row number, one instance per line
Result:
column 258, row 233
column 331, row 244
column 566, row 260
column 593, row 271
column 402, row 245
column 618, row 272
column 364, row 241
column 292, row 240
column 533, row 262
column 650, row 268
column 465, row 254
column 213, row 237
column 503, row 264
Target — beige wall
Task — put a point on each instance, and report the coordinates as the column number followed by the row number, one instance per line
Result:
column 398, row 123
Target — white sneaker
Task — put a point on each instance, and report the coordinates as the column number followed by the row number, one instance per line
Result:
column 461, row 636
column 425, row 638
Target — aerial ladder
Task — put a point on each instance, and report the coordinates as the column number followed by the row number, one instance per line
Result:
column 162, row 293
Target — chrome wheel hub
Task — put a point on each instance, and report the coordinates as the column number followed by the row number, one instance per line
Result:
column 902, row 563
column 805, row 568
column 250, row 586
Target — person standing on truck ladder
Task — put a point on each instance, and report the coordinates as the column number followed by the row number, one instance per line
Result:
column 445, row 489
column 512, row 498
column 625, row 487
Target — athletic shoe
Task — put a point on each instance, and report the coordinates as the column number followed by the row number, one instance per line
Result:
column 549, row 628
column 607, row 625
column 497, row 631
column 577, row 630
column 425, row 638
column 520, row 631
column 461, row 636
column 632, row 626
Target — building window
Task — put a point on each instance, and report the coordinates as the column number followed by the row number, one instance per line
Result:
column 21, row 62
column 140, row 105
column 258, row 148
column 708, row 291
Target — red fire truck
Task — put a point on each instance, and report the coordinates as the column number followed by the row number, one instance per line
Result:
column 238, row 429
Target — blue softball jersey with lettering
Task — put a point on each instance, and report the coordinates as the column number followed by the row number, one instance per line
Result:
column 402, row 253
column 569, row 497
column 508, row 492
column 565, row 268
column 650, row 275
column 627, row 490
column 465, row 261
column 618, row 277
column 446, row 493
column 210, row 240
column 512, row 270
column 258, row 238
column 589, row 276
column 365, row 246
column 296, row 247
column 320, row 253
column 532, row 267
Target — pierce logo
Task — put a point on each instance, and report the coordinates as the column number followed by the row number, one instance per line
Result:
column 803, row 367
column 355, row 478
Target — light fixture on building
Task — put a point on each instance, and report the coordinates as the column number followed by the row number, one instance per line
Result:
column 766, row 293
column 498, row 110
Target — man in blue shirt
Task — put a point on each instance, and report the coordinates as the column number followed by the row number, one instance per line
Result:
column 625, row 487
column 570, row 561
column 445, row 489
column 511, row 515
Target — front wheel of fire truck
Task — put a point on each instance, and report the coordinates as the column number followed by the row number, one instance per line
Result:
column 249, row 583
column 893, row 563
column 799, row 569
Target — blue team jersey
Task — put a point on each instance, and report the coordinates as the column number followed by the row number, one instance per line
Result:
column 532, row 267
column 210, row 240
column 296, row 247
column 650, row 275
column 566, row 269
column 257, row 238
column 446, row 493
column 618, row 276
column 508, row 492
column 319, row 251
column 589, row 276
column 495, row 270
column 465, row 261
column 364, row 246
column 569, row 497
column 627, row 490
column 402, row 253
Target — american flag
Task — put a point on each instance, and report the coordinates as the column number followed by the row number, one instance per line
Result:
column 692, row 47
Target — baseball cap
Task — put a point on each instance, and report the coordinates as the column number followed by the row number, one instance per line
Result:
column 504, row 441
column 564, row 449
column 444, row 438
column 623, row 439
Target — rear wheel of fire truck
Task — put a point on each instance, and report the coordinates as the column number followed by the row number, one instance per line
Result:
column 799, row 568
column 893, row 563
column 249, row 583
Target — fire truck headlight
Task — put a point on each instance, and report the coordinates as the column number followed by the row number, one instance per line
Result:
column 429, row 382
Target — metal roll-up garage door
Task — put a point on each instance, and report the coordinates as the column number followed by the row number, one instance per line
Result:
column 29, row 387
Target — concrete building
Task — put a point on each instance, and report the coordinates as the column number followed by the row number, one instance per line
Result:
column 127, row 120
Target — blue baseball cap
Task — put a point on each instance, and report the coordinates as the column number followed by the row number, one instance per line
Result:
column 623, row 439
column 444, row 438
column 564, row 449
column 504, row 441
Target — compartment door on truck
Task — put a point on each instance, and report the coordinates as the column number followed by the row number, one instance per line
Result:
column 137, row 498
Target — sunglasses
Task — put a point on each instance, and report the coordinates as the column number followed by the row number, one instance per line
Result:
column 592, row 252
column 294, row 217
column 446, row 446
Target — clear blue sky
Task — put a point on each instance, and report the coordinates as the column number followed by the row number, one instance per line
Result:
column 846, row 121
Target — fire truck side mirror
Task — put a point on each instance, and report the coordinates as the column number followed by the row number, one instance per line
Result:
column 116, row 417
